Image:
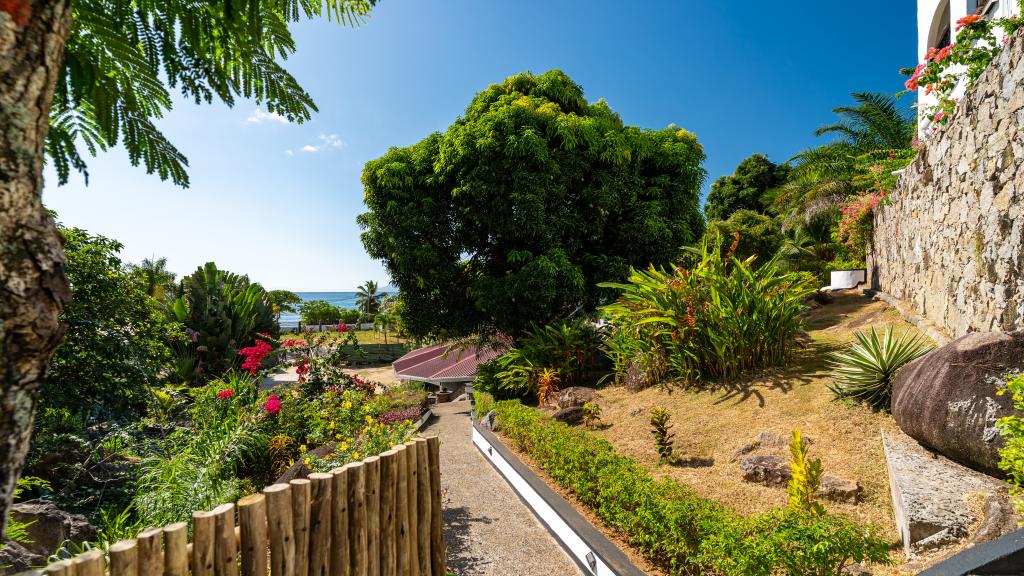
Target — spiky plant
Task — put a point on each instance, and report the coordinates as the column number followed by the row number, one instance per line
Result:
column 866, row 369
column 547, row 386
column 661, row 430
column 806, row 477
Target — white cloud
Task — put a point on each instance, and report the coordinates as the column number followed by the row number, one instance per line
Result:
column 327, row 143
column 289, row 152
column 259, row 116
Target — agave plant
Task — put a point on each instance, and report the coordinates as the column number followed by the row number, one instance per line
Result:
column 865, row 371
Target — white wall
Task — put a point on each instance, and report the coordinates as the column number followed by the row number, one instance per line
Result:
column 929, row 23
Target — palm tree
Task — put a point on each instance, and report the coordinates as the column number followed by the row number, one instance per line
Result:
column 367, row 298
column 875, row 123
column 154, row 275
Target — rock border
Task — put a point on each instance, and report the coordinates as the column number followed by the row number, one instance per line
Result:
column 591, row 551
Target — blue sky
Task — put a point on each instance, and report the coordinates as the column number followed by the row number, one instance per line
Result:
column 279, row 201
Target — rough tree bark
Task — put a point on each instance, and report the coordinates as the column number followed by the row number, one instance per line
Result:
column 33, row 288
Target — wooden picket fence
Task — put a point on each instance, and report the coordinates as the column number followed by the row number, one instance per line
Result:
column 378, row 517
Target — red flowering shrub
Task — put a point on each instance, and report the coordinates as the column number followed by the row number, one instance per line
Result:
column 226, row 394
column 855, row 221
column 273, row 405
column 301, row 368
column 254, row 356
column 974, row 49
column 342, row 327
column 399, row 415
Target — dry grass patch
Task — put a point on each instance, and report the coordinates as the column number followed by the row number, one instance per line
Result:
column 715, row 423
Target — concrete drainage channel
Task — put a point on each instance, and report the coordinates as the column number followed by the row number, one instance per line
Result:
column 594, row 553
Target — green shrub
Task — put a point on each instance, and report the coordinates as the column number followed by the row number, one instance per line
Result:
column 759, row 235
column 483, row 402
column 712, row 320
column 571, row 348
column 1012, row 429
column 671, row 525
column 661, row 430
column 866, row 369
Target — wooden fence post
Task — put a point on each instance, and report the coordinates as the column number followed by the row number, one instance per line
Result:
column 60, row 568
column 124, row 558
column 89, row 563
column 388, row 481
column 372, row 471
column 176, row 549
column 412, row 498
column 204, row 525
column 357, row 518
column 423, row 497
column 151, row 554
column 252, row 520
column 301, row 493
column 402, row 548
column 226, row 548
column 281, row 529
column 437, row 556
column 320, row 524
column 339, row 522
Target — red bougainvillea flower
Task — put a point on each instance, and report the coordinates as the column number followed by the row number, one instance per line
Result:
column 254, row 356
column 290, row 343
column 967, row 20
column 939, row 116
column 301, row 368
column 273, row 405
column 342, row 327
column 226, row 394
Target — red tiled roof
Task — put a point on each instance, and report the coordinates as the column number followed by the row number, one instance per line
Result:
column 431, row 364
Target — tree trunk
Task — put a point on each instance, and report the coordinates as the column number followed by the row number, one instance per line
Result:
column 33, row 289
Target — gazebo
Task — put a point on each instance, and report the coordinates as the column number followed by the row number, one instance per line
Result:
column 448, row 371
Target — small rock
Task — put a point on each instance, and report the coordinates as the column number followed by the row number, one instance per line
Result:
column 999, row 518
column 50, row 526
column 744, row 450
column 576, row 396
column 14, row 557
column 636, row 412
column 772, row 440
column 767, row 470
column 839, row 490
column 571, row 416
column 856, row 570
column 489, row 420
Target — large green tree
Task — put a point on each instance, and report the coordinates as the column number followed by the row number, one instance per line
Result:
column 746, row 188
column 515, row 213
column 90, row 74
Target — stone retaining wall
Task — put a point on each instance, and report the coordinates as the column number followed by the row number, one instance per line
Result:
column 950, row 244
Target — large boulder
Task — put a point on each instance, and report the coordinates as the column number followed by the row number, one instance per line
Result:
column 947, row 398
column 50, row 526
column 574, row 396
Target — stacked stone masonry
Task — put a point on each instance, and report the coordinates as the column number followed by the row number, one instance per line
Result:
column 951, row 243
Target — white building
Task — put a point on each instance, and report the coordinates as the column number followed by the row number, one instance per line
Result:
column 936, row 28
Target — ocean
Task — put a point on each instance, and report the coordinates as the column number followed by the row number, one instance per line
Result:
column 339, row 299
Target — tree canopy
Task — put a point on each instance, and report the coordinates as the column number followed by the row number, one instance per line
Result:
column 515, row 213
column 746, row 188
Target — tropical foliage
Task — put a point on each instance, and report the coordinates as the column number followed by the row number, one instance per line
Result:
column 283, row 301
column 222, row 313
column 712, row 319
column 319, row 312
column 154, row 276
column 759, row 235
column 117, row 342
column 368, row 300
column 866, row 369
column 805, row 479
column 749, row 188
column 512, row 215
column 1011, row 427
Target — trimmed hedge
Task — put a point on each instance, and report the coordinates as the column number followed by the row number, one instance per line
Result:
column 670, row 524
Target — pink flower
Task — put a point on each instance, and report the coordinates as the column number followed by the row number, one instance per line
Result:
column 226, row 394
column 939, row 116
column 342, row 327
column 273, row 405
column 254, row 356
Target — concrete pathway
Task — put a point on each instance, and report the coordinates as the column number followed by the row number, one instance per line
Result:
column 487, row 528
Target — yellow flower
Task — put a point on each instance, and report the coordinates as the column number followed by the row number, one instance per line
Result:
column 343, row 446
column 337, row 436
column 369, row 419
column 291, row 462
column 332, row 425
column 347, row 405
column 355, row 455
column 302, row 448
column 307, row 461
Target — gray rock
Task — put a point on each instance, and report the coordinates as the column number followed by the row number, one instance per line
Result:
column 15, row 557
column 489, row 420
column 571, row 416
column 767, row 470
column 576, row 396
column 931, row 494
column 50, row 526
column 999, row 518
column 768, row 441
column 636, row 411
column 838, row 490
column 856, row 570
column 947, row 399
